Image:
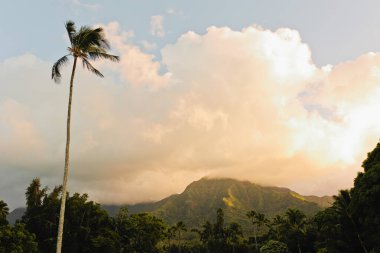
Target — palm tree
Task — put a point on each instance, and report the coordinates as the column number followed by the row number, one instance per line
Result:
column 258, row 220
column 179, row 227
column 252, row 215
column 297, row 222
column 170, row 233
column 342, row 206
column 199, row 233
column 275, row 227
column 261, row 220
column 207, row 234
column 4, row 211
column 85, row 44
column 234, row 235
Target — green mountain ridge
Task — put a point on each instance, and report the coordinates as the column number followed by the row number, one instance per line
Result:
column 200, row 200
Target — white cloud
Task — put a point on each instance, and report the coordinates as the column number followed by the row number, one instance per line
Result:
column 248, row 104
column 157, row 26
column 174, row 12
column 148, row 45
column 86, row 5
column 135, row 67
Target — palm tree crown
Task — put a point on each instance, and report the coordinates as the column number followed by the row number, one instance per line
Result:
column 86, row 44
column 4, row 210
column 179, row 227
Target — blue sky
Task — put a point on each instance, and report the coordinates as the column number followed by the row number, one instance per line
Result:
column 276, row 92
column 336, row 31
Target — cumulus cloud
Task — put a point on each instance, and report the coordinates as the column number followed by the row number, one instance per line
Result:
column 247, row 104
column 157, row 26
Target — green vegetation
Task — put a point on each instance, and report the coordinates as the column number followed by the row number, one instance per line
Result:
column 4, row 211
column 350, row 225
column 272, row 246
column 85, row 44
column 15, row 239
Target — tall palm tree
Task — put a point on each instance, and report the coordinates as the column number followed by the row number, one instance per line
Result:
column 85, row 44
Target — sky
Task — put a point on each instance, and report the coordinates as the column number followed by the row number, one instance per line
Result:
column 282, row 93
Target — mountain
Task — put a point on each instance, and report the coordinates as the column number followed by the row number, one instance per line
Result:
column 16, row 215
column 202, row 198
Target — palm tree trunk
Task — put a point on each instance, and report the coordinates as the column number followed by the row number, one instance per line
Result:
column 358, row 235
column 66, row 171
column 179, row 242
column 357, row 231
column 254, row 234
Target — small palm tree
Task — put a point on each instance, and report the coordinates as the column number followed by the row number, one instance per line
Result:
column 258, row 220
column 179, row 227
column 261, row 220
column 234, row 235
column 86, row 44
column 252, row 215
column 342, row 206
column 276, row 225
column 297, row 223
column 4, row 211
column 170, row 234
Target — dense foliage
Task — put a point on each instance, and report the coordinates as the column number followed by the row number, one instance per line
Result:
column 15, row 239
column 350, row 225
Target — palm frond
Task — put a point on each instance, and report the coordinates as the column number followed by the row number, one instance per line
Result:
column 55, row 70
column 87, row 64
column 95, row 56
column 102, row 38
column 71, row 30
column 96, row 53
